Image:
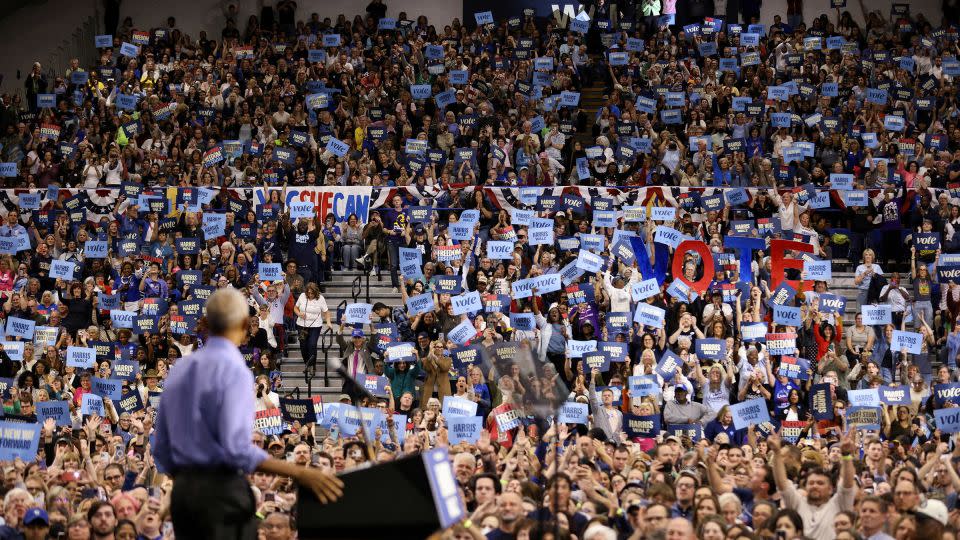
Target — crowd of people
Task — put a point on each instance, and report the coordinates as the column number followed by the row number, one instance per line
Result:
column 628, row 322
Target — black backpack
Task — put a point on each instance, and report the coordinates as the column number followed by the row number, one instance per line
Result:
column 877, row 283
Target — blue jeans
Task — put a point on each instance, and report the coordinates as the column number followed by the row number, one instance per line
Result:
column 925, row 308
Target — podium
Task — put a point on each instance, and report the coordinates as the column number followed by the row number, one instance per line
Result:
column 410, row 498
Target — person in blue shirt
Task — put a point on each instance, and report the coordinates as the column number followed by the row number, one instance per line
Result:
column 126, row 283
column 723, row 423
column 204, row 432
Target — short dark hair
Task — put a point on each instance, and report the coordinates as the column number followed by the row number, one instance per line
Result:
column 497, row 488
column 96, row 506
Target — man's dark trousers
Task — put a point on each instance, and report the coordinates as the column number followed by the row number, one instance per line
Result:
column 212, row 504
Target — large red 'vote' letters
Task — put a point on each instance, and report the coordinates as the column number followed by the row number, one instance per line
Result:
column 706, row 255
column 779, row 263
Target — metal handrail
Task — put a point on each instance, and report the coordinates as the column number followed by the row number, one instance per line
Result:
column 357, row 287
column 326, row 343
column 366, row 275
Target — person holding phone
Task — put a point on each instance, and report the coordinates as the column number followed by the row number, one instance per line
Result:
column 209, row 459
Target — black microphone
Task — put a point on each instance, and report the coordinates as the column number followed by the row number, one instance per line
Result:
column 346, row 376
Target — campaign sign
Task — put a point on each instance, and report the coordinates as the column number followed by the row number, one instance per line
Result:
column 81, row 357
column 187, row 245
column 818, row 270
column 466, row 303
column 463, row 357
column 616, row 351
column 305, row 209
column 895, row 395
column 832, row 303
column 794, row 368
column 29, row 201
column 948, row 420
column 375, row 384
column 420, row 91
column 782, row 295
column 754, row 331
column 62, row 269
column 14, row 350
column 869, row 397
column 19, row 440
column 464, row 429
column 948, row 273
column 106, row 388
column 58, row 410
column 943, row 393
column 911, row 341
column 297, row 410
column 589, row 262
column 821, row 402
column 421, row 303
column 462, row 333
column 269, row 422
column 711, row 348
column 457, row 406
column 867, row 418
column 692, row 431
column 643, row 385
column 596, row 360
column 130, row 403
column 46, row 335
column 644, row 289
column 753, row 411
column 791, row 430
column 644, row 427
column 649, row 315
column 121, row 319
column 483, row 17
column 874, row 315
column 926, row 243
column 577, row 348
column 126, row 370
column 331, row 40
column 357, row 313
column 667, row 236
column 22, row 328
column 91, row 404
column 668, row 365
column 787, row 315
column 778, row 344
column 337, row 147
column 572, row 412
column 270, row 271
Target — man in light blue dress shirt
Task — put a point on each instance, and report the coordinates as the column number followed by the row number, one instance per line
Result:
column 204, row 431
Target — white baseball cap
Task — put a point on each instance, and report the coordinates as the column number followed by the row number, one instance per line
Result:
column 934, row 509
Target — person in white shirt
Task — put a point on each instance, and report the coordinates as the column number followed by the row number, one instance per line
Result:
column 311, row 311
column 618, row 293
column 895, row 295
column 819, row 505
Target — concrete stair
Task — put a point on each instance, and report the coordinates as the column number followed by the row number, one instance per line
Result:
column 342, row 289
column 591, row 99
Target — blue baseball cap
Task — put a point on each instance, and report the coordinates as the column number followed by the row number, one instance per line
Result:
column 35, row 515
column 357, row 332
